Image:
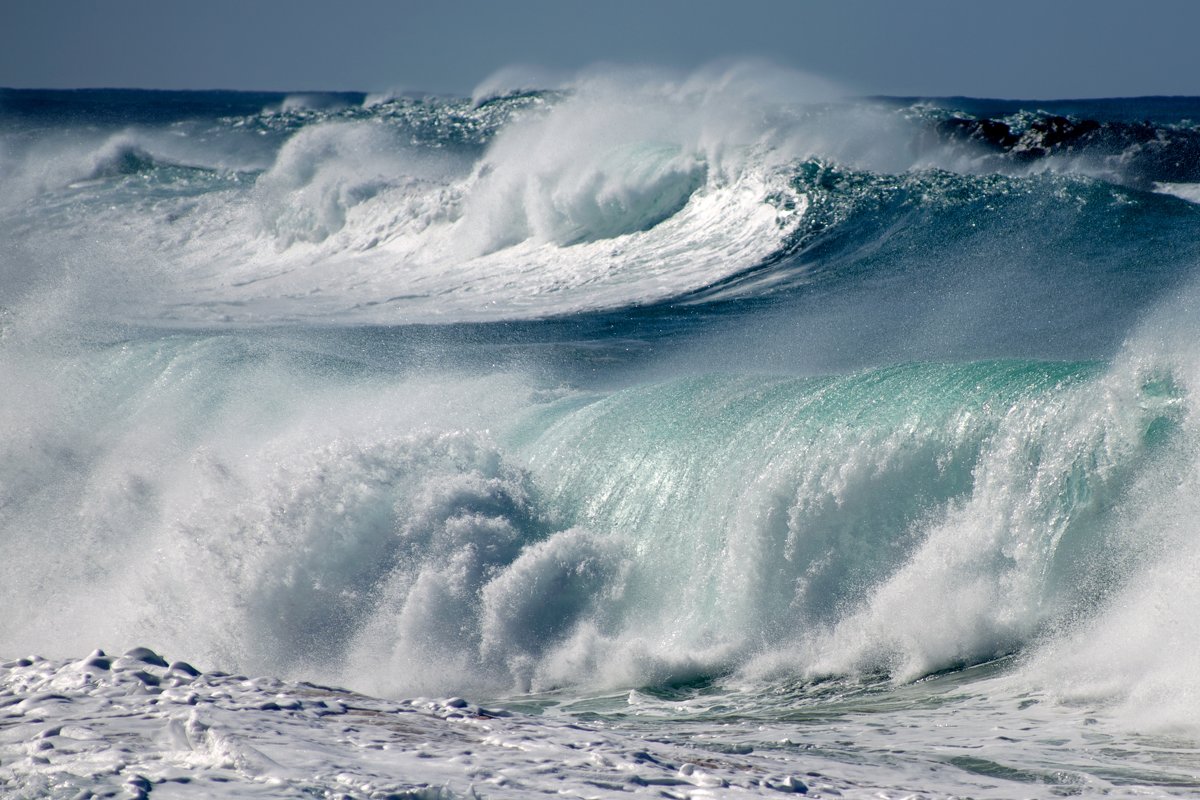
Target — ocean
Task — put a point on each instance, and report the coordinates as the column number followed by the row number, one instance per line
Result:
column 662, row 436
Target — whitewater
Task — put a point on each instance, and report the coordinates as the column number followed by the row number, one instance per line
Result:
column 709, row 435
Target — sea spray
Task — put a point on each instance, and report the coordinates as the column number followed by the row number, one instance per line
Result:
column 734, row 433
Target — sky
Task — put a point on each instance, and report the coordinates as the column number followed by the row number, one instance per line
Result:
column 1011, row 48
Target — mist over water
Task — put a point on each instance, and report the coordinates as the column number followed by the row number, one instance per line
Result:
column 714, row 383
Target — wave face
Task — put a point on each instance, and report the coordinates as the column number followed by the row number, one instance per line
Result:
column 731, row 395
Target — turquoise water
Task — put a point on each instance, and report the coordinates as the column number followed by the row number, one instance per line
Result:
column 861, row 434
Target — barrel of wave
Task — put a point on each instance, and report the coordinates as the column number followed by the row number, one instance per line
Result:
column 801, row 523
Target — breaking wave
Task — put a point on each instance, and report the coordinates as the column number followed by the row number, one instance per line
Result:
column 642, row 381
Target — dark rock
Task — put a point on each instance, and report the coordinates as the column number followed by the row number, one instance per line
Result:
column 986, row 131
column 1054, row 131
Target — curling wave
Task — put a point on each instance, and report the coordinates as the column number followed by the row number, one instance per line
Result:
column 707, row 386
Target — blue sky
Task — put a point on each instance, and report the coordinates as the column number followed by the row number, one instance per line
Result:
column 1016, row 48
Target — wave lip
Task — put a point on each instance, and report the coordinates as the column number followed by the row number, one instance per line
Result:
column 595, row 201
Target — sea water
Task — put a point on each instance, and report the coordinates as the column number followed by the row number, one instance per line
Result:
column 694, row 436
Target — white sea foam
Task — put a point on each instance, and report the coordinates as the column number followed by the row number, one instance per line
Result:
column 1184, row 191
column 139, row 726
